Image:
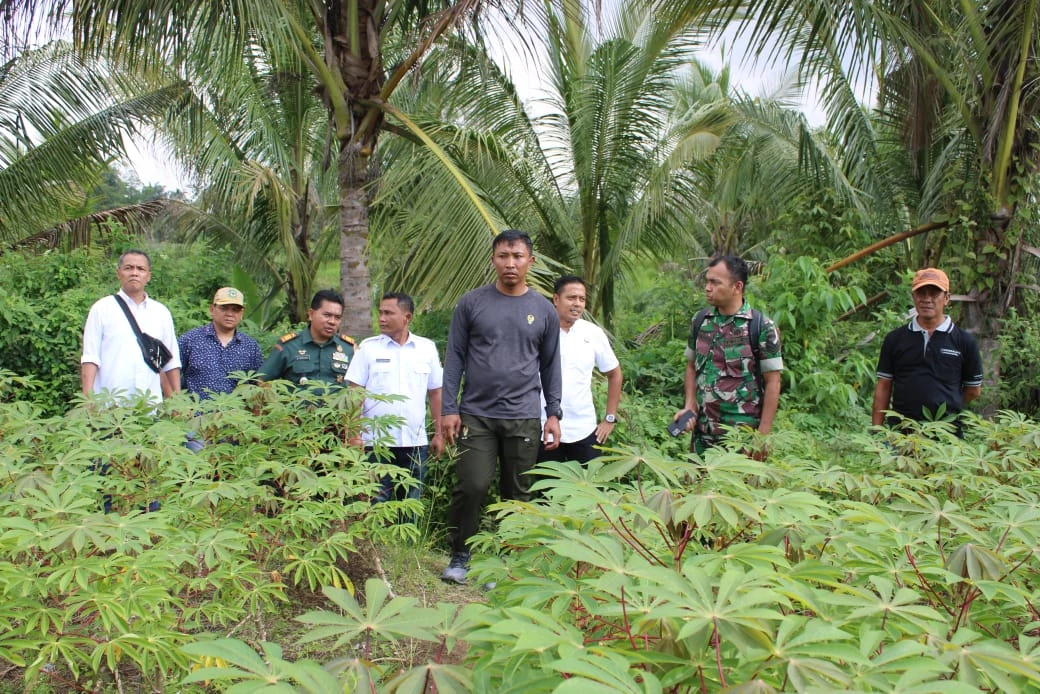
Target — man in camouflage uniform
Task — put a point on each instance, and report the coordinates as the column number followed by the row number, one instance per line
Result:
column 319, row 354
column 724, row 385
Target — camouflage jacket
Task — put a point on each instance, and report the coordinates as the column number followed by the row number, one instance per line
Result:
column 727, row 390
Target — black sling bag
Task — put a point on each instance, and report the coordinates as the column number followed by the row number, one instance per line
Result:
column 153, row 350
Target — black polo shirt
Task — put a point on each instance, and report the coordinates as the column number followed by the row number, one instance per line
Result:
column 927, row 372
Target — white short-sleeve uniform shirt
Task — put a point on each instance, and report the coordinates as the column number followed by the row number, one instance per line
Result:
column 384, row 367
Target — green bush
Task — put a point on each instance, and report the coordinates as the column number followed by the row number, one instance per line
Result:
column 275, row 499
column 884, row 565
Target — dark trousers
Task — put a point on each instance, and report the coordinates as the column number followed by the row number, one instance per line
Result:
column 583, row 451
column 483, row 442
column 412, row 459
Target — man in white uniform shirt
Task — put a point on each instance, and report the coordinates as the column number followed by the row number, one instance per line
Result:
column 583, row 346
column 398, row 362
column 112, row 358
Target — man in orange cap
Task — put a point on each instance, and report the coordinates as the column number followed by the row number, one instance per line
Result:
column 929, row 363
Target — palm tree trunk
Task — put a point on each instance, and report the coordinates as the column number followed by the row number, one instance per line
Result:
column 354, row 278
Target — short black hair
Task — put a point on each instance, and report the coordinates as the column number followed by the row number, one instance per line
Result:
column 735, row 265
column 568, row 279
column 510, row 236
column 134, row 251
column 403, row 301
column 324, row 295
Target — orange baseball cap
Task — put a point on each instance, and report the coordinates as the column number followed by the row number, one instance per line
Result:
column 932, row 276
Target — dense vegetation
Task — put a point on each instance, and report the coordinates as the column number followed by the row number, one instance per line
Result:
column 849, row 560
column 860, row 562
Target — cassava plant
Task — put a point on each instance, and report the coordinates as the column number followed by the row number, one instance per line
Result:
column 275, row 499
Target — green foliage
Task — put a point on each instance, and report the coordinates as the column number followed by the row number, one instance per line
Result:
column 828, row 364
column 275, row 498
column 1019, row 336
column 883, row 566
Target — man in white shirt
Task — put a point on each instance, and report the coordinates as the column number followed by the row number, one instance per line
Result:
column 398, row 362
column 112, row 358
column 582, row 347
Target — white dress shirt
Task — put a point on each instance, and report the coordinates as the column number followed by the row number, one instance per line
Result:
column 110, row 343
column 582, row 347
column 384, row 367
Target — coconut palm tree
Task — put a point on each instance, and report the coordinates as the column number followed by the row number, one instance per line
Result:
column 262, row 148
column 62, row 122
column 958, row 83
column 622, row 164
column 344, row 46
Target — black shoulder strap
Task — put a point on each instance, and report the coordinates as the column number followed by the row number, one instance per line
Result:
column 755, row 334
column 695, row 325
column 129, row 316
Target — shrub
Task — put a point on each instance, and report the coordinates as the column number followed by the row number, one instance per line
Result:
column 881, row 566
column 274, row 499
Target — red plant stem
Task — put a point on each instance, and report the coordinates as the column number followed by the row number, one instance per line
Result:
column 927, row 586
column 628, row 625
column 634, row 544
column 635, row 539
column 684, row 542
column 968, row 600
column 1003, row 537
column 716, row 642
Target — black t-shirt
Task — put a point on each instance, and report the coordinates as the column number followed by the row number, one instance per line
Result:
column 928, row 374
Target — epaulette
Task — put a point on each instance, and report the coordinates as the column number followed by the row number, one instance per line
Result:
column 347, row 338
column 285, row 338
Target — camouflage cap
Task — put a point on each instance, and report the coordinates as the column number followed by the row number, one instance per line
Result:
column 228, row 295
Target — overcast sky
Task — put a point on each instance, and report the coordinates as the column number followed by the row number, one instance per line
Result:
column 151, row 164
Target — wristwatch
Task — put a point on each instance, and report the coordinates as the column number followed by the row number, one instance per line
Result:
column 610, row 418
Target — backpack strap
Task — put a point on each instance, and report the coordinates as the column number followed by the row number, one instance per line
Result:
column 695, row 325
column 755, row 336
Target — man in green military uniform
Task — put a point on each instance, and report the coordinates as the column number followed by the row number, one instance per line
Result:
column 317, row 355
column 733, row 360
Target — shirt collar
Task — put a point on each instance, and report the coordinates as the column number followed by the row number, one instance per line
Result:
column 743, row 312
column 131, row 302
column 944, row 327
column 210, row 330
column 388, row 340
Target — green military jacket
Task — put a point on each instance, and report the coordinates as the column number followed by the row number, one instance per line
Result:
column 298, row 358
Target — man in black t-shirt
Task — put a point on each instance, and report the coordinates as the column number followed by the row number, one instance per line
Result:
column 505, row 339
column 928, row 363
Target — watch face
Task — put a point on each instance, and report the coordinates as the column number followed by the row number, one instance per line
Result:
column 610, row 419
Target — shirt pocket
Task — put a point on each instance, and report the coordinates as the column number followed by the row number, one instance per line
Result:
column 949, row 366
column 421, row 375
column 304, row 366
column 381, row 377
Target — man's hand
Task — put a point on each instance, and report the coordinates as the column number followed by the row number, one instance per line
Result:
column 437, row 444
column 451, row 425
column 551, row 430
column 693, row 420
column 603, row 430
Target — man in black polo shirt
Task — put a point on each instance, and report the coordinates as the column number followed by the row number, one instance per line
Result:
column 929, row 363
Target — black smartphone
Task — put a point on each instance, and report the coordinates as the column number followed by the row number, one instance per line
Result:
column 679, row 426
